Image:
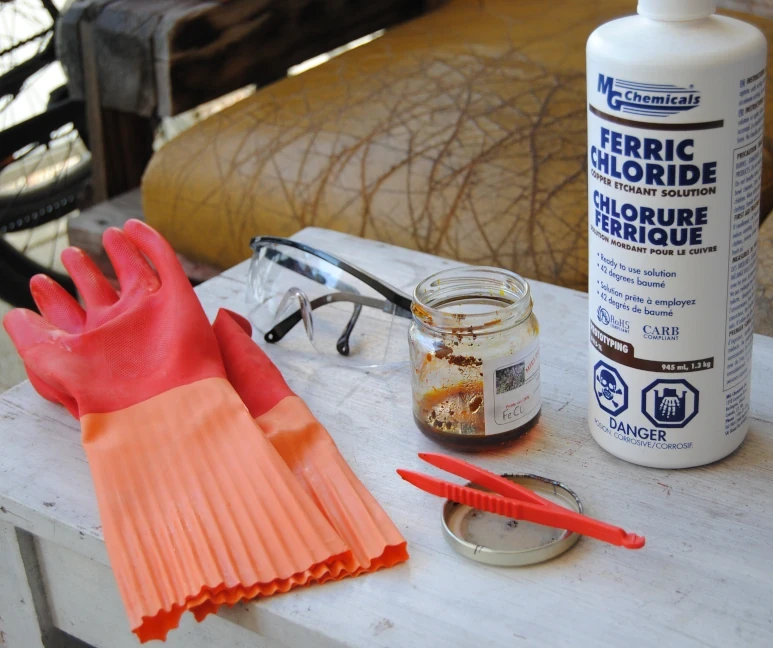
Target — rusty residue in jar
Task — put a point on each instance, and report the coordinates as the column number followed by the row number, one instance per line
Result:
column 474, row 310
column 464, row 361
column 456, row 410
column 419, row 312
column 444, row 352
column 461, row 333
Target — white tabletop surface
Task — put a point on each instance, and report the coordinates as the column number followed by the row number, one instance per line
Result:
column 705, row 577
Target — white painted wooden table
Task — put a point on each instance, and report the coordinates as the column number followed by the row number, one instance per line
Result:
column 705, row 577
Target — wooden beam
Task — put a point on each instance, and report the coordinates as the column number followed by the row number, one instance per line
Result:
column 93, row 114
column 221, row 49
column 121, row 143
column 162, row 57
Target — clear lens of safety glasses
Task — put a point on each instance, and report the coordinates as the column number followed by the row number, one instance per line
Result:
column 295, row 296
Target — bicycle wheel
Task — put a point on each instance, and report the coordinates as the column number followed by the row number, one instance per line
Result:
column 43, row 182
column 45, row 166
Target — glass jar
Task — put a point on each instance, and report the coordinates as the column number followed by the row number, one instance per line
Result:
column 474, row 344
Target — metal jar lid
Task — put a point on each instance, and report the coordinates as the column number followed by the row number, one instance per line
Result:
column 497, row 540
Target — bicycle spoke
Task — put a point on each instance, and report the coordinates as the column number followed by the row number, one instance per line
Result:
column 40, row 35
column 26, row 245
column 52, row 256
column 28, row 13
column 52, row 10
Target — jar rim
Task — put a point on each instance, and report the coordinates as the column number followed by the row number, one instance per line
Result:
column 455, row 286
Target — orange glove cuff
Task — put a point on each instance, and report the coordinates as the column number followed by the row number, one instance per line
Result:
column 199, row 509
column 314, row 459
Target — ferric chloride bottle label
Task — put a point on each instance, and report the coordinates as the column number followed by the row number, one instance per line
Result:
column 674, row 170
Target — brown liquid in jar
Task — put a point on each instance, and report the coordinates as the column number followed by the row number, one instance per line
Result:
column 454, row 416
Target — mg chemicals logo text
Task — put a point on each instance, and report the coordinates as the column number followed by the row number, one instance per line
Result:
column 648, row 99
column 607, row 319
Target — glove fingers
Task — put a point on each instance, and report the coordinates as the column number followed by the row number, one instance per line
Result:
column 158, row 250
column 33, row 336
column 91, row 283
column 255, row 378
column 27, row 329
column 57, row 305
column 131, row 268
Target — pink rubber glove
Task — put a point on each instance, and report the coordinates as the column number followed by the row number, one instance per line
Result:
column 197, row 507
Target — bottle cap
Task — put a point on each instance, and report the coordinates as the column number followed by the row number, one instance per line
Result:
column 676, row 10
column 497, row 540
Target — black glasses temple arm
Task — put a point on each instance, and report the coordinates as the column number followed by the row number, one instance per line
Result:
column 286, row 325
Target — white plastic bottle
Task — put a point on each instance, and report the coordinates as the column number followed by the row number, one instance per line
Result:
column 675, row 126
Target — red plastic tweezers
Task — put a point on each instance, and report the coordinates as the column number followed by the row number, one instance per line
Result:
column 512, row 500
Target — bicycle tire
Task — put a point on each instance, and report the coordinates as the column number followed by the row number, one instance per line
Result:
column 35, row 207
column 54, row 199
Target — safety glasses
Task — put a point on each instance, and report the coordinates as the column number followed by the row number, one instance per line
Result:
column 348, row 315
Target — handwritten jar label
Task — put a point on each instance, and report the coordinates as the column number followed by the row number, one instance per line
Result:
column 511, row 389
